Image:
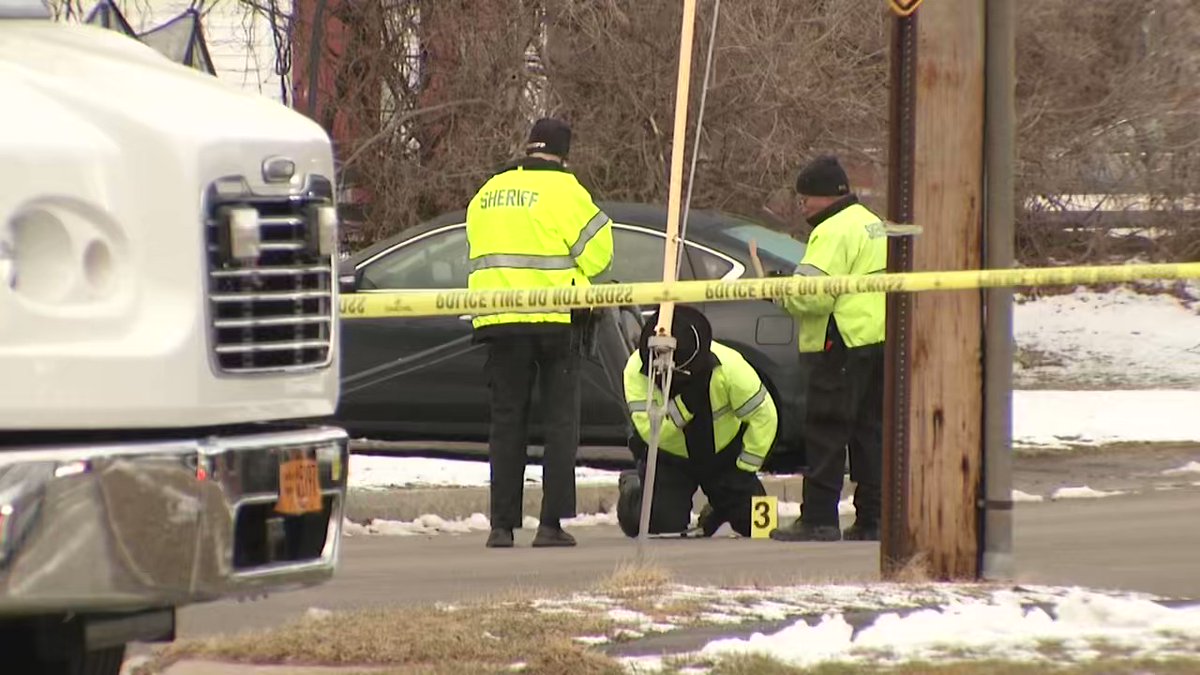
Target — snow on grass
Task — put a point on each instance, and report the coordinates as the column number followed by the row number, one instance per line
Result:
column 628, row 616
column 430, row 524
column 375, row 471
column 1119, row 339
column 1078, row 418
column 1082, row 492
column 891, row 623
column 1190, row 467
column 1079, row 626
column 672, row 605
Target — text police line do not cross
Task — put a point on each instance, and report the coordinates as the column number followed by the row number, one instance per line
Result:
column 381, row 304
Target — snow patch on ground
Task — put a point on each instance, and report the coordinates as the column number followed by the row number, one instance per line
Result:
column 728, row 605
column 1018, row 496
column 1002, row 626
column 430, row 524
column 317, row 614
column 375, row 471
column 927, row 621
column 1080, row 418
column 792, row 509
column 628, row 616
column 1189, row 468
column 1119, row 339
column 1082, row 492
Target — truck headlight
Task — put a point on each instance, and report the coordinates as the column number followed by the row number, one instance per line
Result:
column 62, row 251
column 323, row 222
column 243, row 237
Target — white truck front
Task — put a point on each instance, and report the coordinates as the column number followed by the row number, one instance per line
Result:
column 168, row 328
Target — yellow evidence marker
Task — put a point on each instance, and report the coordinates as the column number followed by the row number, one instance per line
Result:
column 764, row 516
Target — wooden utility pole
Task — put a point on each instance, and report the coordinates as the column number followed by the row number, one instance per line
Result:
column 933, row 435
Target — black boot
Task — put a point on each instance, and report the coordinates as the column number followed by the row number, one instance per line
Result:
column 500, row 537
column 629, row 502
column 801, row 531
column 550, row 535
column 861, row 532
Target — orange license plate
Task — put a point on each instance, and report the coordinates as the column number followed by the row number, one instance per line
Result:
column 299, row 487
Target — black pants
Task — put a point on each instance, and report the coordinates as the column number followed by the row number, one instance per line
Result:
column 728, row 489
column 513, row 364
column 845, row 409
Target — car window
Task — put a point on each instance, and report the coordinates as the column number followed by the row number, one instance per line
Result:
column 773, row 244
column 707, row 265
column 436, row 261
column 638, row 257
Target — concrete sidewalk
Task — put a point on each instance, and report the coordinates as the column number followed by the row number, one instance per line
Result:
column 363, row 505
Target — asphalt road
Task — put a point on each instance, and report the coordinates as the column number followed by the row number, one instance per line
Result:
column 1146, row 542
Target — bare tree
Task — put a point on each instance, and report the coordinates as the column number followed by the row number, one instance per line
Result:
column 426, row 97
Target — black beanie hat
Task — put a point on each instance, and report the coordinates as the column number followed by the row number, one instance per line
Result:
column 551, row 136
column 693, row 340
column 823, row 177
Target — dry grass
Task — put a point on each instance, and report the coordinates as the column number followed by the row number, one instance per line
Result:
column 486, row 636
column 915, row 571
column 633, row 577
column 479, row 638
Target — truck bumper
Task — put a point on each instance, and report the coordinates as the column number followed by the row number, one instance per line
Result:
column 114, row 527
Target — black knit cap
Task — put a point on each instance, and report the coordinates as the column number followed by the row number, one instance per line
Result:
column 823, row 177
column 693, row 339
column 551, row 136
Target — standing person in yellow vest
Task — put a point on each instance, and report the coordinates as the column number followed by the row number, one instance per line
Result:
column 720, row 425
column 534, row 226
column 842, row 337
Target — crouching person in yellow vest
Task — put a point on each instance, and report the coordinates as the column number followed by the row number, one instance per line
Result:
column 720, row 426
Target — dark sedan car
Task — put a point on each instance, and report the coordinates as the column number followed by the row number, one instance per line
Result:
column 422, row 378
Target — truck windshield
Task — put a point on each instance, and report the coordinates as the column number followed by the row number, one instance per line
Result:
column 23, row 9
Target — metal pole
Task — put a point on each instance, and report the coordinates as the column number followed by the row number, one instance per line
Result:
column 658, row 376
column 895, row 544
column 999, row 145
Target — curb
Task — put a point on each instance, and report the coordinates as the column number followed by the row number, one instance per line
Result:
column 408, row 504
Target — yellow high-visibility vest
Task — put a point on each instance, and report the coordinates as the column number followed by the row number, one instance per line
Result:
column 737, row 395
column 531, row 228
column 851, row 242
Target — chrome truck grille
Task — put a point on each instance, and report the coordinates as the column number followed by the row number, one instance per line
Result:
column 270, row 277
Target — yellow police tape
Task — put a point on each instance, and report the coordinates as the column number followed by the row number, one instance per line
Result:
column 374, row 305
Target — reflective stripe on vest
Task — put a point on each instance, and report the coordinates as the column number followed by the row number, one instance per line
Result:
column 525, row 262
